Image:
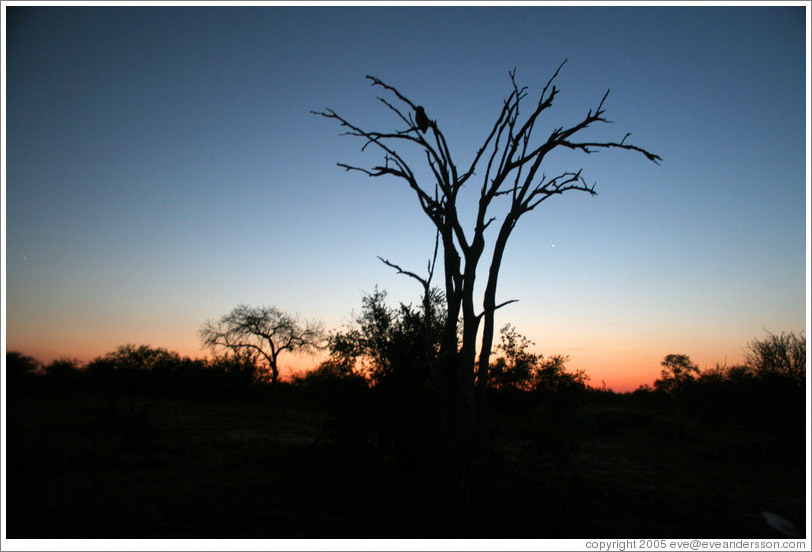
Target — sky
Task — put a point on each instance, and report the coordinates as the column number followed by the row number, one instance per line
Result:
column 162, row 165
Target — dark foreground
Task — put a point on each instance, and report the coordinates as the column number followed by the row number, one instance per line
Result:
column 86, row 466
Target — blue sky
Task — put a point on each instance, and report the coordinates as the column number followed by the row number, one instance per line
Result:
column 162, row 166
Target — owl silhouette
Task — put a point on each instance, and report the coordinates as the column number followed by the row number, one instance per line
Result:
column 421, row 119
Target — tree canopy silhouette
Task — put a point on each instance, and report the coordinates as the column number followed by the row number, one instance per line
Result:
column 678, row 370
column 262, row 333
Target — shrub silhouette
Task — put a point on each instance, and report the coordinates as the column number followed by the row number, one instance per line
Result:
column 331, row 384
column 392, row 347
column 62, row 368
column 145, row 370
column 782, row 355
column 514, row 369
column 21, row 370
column 518, row 370
column 62, row 375
column 235, row 370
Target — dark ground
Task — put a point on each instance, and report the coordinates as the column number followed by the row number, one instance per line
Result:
column 81, row 466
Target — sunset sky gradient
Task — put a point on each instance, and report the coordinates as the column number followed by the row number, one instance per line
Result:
column 162, row 165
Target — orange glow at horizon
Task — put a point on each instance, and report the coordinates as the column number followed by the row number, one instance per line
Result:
column 621, row 368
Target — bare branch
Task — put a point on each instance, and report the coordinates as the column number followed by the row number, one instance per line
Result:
column 433, row 262
column 378, row 82
column 497, row 307
column 500, row 305
column 585, row 147
column 399, row 270
column 406, row 120
column 556, row 186
column 498, row 127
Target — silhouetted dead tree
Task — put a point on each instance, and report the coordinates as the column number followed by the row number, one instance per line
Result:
column 512, row 163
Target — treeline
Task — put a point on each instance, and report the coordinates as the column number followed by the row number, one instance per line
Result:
column 135, row 370
column 392, row 351
column 767, row 390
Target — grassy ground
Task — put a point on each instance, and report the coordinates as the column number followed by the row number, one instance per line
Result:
column 84, row 467
column 620, row 471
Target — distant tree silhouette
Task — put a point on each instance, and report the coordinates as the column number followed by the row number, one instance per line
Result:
column 264, row 333
column 678, row 370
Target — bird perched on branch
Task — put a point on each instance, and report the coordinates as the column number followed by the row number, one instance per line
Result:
column 421, row 119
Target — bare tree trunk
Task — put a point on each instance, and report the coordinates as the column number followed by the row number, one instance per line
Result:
column 489, row 305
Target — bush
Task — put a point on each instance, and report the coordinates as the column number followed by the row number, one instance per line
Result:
column 678, row 373
column 782, row 355
column 21, row 370
column 143, row 370
column 394, row 348
column 520, row 370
